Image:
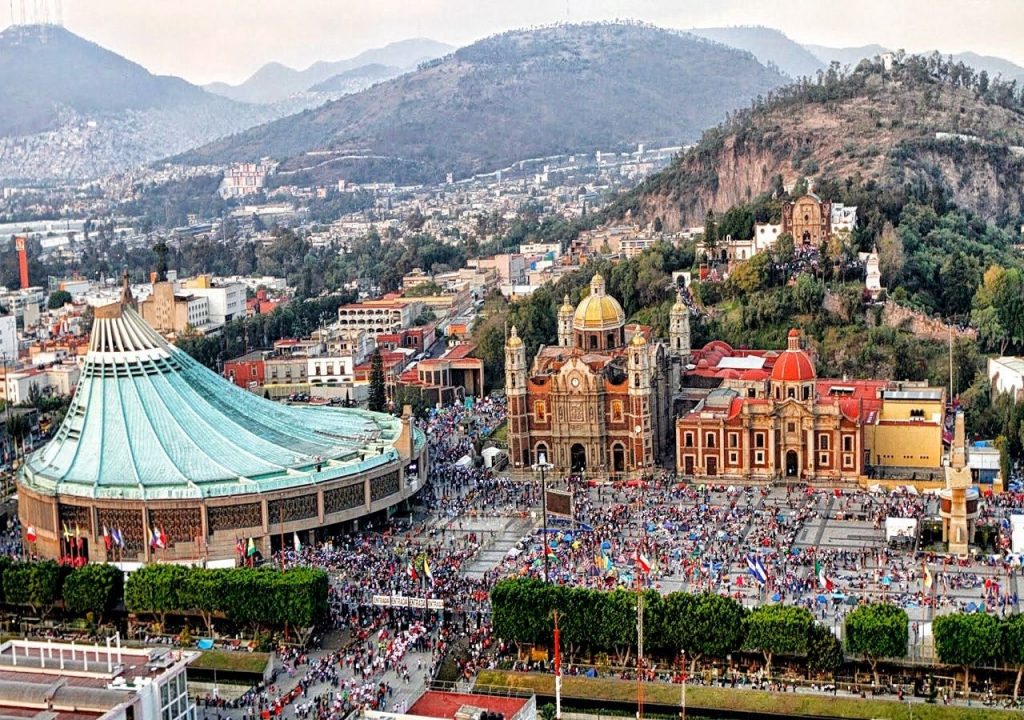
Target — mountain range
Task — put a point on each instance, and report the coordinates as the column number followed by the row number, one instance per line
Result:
column 274, row 82
column 521, row 94
column 70, row 109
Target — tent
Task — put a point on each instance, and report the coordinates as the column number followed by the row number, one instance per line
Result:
column 900, row 527
column 490, row 455
column 464, row 462
column 1017, row 533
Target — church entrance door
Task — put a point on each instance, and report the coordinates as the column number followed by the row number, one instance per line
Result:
column 578, row 457
column 807, row 237
column 792, row 464
column 688, row 465
column 618, row 459
column 712, row 463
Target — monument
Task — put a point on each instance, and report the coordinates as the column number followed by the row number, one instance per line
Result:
column 958, row 506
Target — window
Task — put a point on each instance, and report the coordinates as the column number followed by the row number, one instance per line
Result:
column 710, row 438
column 807, row 392
column 617, row 411
column 759, row 457
column 823, row 441
column 540, row 411
column 734, row 439
column 847, row 461
column 847, row 443
column 823, row 458
column 751, row 392
column 689, row 440
column 791, row 393
column 733, row 458
column 759, row 439
column 790, row 427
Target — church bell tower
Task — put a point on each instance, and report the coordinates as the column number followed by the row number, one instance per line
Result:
column 515, row 391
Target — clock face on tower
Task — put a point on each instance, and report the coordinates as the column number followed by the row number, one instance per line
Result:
column 575, row 382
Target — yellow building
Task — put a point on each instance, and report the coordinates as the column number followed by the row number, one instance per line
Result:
column 908, row 432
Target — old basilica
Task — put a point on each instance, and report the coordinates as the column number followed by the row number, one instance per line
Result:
column 600, row 401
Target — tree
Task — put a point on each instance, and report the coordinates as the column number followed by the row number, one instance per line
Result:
column 1013, row 647
column 36, row 585
column 200, row 592
column 706, row 624
column 890, row 255
column 154, row 590
column 93, row 588
column 877, row 631
column 966, row 639
column 58, row 299
column 778, row 629
column 710, row 232
column 824, row 651
column 378, row 397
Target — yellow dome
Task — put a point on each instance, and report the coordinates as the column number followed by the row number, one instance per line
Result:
column 598, row 311
column 514, row 340
column 638, row 340
column 566, row 308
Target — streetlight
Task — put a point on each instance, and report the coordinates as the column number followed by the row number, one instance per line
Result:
column 542, row 465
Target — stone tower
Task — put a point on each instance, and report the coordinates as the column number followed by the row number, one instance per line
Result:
column 565, row 314
column 956, row 520
column 515, row 391
column 679, row 329
column 639, row 372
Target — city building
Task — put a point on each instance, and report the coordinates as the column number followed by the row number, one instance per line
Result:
column 380, row 316
column 8, row 339
column 94, row 681
column 452, row 377
column 154, row 440
column 225, row 301
column 245, row 178
column 248, row 371
column 766, row 415
column 599, row 401
column 172, row 312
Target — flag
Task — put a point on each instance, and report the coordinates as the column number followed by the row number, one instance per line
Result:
column 412, row 572
column 78, row 531
column 642, row 563
column 67, row 534
column 30, row 533
column 756, row 568
column 250, row 550
column 239, row 546
column 298, row 545
column 927, row 577
column 108, row 540
column 823, row 581
column 119, row 537
column 426, row 570
column 154, row 539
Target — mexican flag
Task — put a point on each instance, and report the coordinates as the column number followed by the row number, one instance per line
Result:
column 824, row 582
column 250, row 550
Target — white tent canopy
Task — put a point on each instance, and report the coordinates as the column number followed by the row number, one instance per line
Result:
column 1017, row 534
column 900, row 527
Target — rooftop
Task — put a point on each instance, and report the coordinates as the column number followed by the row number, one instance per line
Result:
column 148, row 422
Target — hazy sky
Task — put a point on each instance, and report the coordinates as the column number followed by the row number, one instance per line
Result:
column 206, row 40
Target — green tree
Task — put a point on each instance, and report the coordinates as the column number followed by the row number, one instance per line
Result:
column 778, row 630
column 93, row 588
column 378, row 397
column 36, row 585
column 155, row 590
column 710, row 233
column 824, row 651
column 58, row 299
column 967, row 640
column 201, row 592
column 877, row 631
column 706, row 624
column 1013, row 647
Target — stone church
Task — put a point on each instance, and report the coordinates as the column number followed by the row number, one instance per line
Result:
column 600, row 401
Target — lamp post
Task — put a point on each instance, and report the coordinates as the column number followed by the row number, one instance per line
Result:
column 543, row 465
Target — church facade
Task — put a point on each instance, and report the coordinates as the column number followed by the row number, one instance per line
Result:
column 600, row 401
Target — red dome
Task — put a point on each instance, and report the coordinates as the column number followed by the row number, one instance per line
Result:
column 793, row 366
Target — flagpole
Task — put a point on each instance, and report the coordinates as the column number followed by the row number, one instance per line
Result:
column 558, row 671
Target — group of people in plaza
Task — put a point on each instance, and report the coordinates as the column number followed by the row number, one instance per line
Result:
column 698, row 538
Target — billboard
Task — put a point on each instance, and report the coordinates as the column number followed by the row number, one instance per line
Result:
column 559, row 503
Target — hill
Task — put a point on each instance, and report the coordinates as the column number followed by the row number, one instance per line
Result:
column 71, row 109
column 769, row 46
column 274, row 82
column 994, row 66
column 927, row 128
column 528, row 93
column 357, row 79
